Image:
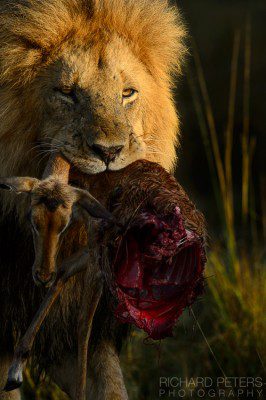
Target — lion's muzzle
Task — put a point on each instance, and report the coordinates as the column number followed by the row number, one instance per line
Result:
column 107, row 154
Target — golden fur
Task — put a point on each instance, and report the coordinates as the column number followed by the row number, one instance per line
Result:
column 44, row 43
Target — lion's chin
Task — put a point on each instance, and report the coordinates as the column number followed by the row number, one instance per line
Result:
column 93, row 165
column 87, row 165
column 124, row 161
column 93, row 168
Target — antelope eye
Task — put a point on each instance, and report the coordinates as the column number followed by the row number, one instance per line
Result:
column 128, row 93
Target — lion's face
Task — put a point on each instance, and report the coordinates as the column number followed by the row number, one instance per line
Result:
column 93, row 106
column 90, row 78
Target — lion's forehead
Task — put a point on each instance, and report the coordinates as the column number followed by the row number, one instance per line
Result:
column 109, row 64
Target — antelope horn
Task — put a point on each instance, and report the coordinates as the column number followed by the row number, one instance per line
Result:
column 57, row 167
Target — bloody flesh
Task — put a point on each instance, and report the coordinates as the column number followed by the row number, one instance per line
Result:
column 158, row 270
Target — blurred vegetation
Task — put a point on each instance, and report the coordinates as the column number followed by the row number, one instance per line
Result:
column 225, row 333
column 41, row 389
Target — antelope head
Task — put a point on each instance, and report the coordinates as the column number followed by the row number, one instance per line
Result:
column 51, row 205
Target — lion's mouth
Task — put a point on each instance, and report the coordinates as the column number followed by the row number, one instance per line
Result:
column 86, row 163
column 92, row 164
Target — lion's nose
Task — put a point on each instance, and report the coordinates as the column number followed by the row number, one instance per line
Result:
column 107, row 154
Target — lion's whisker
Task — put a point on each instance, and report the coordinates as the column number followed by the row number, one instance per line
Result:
column 35, row 148
column 44, row 153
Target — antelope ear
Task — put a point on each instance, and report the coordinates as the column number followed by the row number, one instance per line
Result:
column 92, row 206
column 18, row 184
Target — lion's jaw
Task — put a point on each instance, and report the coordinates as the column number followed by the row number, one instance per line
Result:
column 94, row 115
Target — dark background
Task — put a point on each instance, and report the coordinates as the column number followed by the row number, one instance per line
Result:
column 212, row 25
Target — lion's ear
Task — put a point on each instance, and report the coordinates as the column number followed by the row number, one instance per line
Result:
column 18, row 184
column 92, row 206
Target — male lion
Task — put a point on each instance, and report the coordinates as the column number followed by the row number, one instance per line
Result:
column 93, row 79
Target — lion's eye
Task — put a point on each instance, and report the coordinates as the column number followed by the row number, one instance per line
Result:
column 128, row 93
column 64, row 90
column 67, row 91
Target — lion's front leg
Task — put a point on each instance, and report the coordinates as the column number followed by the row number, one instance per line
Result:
column 105, row 379
column 108, row 382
